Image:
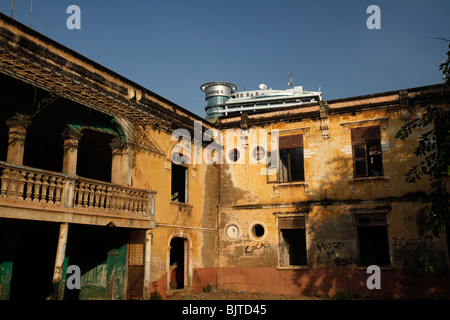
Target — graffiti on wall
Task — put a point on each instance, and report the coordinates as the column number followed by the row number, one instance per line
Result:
column 197, row 278
column 258, row 246
column 333, row 251
column 402, row 242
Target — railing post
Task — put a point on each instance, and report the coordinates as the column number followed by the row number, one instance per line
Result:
column 44, row 188
column 30, row 184
column 12, row 190
column 5, row 182
column 37, row 187
column 58, row 192
column 69, row 192
column 21, row 184
column 51, row 190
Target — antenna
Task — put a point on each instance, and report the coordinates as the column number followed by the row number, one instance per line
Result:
column 31, row 11
column 291, row 84
column 12, row 9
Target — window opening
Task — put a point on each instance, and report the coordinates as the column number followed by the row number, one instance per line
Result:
column 367, row 158
column 292, row 241
column 179, row 192
column 291, row 166
column 373, row 240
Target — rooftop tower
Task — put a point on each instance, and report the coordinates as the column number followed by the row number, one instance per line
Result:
column 216, row 93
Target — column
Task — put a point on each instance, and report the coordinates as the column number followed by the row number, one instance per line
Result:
column 147, row 264
column 60, row 257
column 71, row 139
column 18, row 125
column 120, row 166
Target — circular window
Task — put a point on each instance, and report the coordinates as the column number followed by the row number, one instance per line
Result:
column 234, row 155
column 257, row 231
column 258, row 153
column 232, row 231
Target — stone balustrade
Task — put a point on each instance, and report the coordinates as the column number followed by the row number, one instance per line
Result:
column 53, row 189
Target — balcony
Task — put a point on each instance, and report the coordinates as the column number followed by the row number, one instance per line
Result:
column 30, row 193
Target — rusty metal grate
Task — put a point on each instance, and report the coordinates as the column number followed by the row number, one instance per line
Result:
column 135, row 282
column 136, row 265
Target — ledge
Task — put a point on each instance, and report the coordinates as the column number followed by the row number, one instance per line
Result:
column 181, row 204
column 351, row 124
column 303, row 130
column 292, row 268
column 293, row 183
column 368, row 178
column 276, row 186
column 385, row 268
column 375, row 178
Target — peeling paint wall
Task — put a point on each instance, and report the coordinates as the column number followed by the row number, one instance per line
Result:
column 195, row 220
column 329, row 198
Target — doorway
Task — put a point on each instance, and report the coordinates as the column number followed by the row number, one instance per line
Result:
column 178, row 263
column 35, row 244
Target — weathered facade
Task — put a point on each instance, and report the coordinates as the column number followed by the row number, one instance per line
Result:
column 100, row 173
column 316, row 227
column 85, row 160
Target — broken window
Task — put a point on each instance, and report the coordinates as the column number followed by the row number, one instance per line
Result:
column 291, row 167
column 367, row 160
column 373, row 239
column 292, row 241
column 179, row 183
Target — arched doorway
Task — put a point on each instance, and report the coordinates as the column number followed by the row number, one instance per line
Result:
column 178, row 263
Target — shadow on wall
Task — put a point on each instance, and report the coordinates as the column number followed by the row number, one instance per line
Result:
column 229, row 194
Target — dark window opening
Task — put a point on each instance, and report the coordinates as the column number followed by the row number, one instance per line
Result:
column 179, row 191
column 292, row 241
column 373, row 240
column 95, row 156
column 44, row 146
column 294, row 247
column 367, row 158
column 291, row 165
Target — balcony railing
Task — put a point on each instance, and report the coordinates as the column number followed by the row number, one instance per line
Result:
column 21, row 183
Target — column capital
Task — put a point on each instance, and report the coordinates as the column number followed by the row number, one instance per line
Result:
column 71, row 134
column 118, row 146
column 18, row 120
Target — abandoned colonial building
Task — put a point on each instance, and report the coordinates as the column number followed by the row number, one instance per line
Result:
column 144, row 196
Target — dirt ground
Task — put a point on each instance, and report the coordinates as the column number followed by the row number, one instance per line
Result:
column 220, row 294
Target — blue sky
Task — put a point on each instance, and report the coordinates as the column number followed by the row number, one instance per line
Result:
column 173, row 47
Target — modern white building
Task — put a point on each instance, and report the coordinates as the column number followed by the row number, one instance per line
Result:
column 221, row 98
